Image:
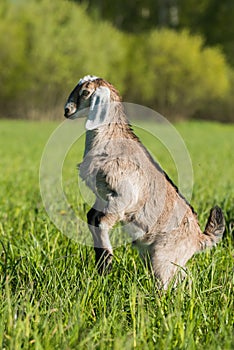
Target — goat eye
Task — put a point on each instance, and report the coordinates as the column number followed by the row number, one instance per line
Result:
column 85, row 93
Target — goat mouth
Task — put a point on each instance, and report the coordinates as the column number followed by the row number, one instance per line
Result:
column 71, row 116
column 77, row 114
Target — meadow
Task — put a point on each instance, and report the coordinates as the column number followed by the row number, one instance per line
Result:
column 51, row 295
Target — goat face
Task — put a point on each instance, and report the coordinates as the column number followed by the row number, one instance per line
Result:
column 93, row 93
column 79, row 99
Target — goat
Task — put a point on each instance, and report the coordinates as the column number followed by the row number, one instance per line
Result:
column 130, row 187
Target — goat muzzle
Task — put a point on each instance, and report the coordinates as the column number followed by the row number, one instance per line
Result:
column 69, row 109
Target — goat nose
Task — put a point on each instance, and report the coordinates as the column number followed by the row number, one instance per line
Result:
column 66, row 111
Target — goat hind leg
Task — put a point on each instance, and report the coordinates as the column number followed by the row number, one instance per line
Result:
column 168, row 262
column 102, row 245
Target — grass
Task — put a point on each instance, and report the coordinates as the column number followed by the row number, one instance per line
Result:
column 51, row 295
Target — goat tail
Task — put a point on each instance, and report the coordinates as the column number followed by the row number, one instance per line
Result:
column 214, row 228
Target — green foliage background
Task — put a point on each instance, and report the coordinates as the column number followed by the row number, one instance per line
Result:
column 47, row 46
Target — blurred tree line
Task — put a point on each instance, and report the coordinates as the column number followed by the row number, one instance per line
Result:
column 158, row 53
column 212, row 19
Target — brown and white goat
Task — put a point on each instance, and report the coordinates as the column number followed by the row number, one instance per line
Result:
column 132, row 188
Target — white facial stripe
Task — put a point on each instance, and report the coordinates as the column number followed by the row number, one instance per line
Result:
column 87, row 78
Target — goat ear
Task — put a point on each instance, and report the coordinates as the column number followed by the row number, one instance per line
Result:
column 99, row 108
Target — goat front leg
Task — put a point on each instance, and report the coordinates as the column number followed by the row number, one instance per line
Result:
column 99, row 225
column 101, row 221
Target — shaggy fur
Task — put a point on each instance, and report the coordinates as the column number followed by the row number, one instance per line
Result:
column 132, row 188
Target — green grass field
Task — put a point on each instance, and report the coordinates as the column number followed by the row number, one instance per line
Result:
column 51, row 294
